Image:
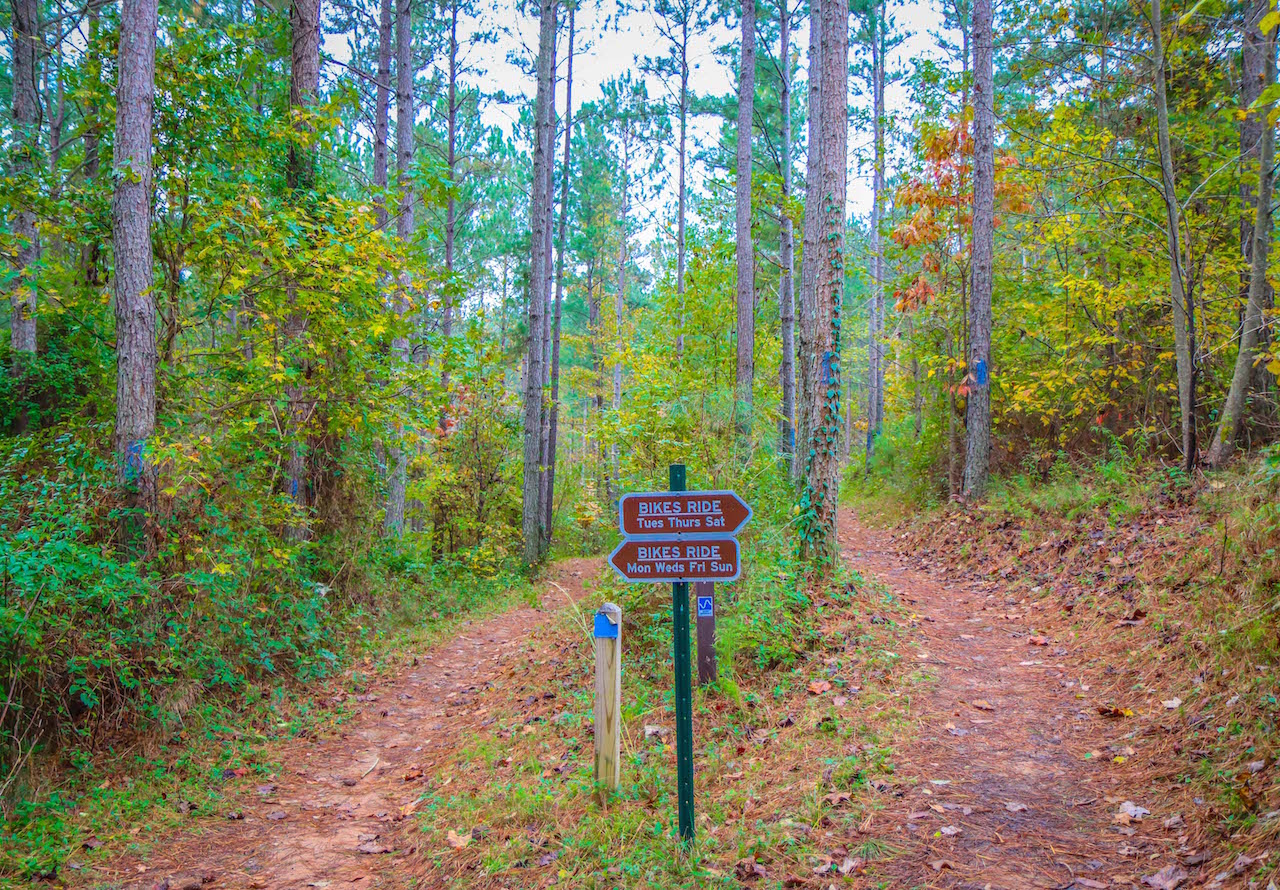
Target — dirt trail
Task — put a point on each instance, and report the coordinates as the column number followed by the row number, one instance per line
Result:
column 331, row 817
column 1017, row 780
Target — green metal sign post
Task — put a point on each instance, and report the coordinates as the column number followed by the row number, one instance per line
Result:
column 684, row 689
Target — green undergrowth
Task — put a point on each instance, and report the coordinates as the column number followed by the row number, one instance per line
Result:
column 811, row 700
column 138, row 696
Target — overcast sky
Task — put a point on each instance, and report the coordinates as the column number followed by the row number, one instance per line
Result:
column 608, row 44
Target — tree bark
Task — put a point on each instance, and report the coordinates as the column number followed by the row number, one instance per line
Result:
column 382, row 112
column 875, row 338
column 807, row 332
column 300, row 177
column 682, row 197
column 544, row 121
column 746, row 327
column 451, row 203
column 25, row 48
column 562, row 235
column 397, row 452
column 1259, row 254
column 977, row 462
column 1183, row 313
column 786, row 251
column 134, row 271
column 822, row 466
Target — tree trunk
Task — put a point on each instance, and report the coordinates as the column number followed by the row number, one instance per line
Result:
column 875, row 338
column 1260, row 253
column 818, row 502
column 544, row 121
column 451, row 203
column 809, row 257
column 561, row 240
column 1183, row 314
column 382, row 113
column 91, row 253
column 300, row 177
column 25, row 48
column 682, row 197
column 786, row 252
column 397, row 451
column 746, row 328
column 134, row 271
column 544, row 534
column 977, row 461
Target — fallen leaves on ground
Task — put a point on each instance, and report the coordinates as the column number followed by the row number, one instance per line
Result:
column 457, row 841
column 1168, row 878
column 982, row 704
column 817, row 687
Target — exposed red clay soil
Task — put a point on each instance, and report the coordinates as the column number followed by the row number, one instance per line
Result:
column 1019, row 781
column 331, row 817
column 1012, row 779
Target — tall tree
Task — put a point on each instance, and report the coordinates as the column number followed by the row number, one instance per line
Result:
column 807, row 328
column 382, row 111
column 553, row 429
column 397, row 453
column 1183, row 310
column 675, row 20
column 131, row 231
column 746, row 327
column 300, row 177
column 1259, row 254
column 876, row 20
column 25, row 48
column 540, row 202
column 822, row 465
column 978, row 399
column 451, row 162
column 787, row 248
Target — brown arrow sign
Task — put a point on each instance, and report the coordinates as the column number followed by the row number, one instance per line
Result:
column 651, row 559
column 683, row 513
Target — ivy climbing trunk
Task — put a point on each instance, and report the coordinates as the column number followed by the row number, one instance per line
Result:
column 131, row 234
column 977, row 459
column 540, row 202
column 787, row 251
column 818, row 501
column 1224, row 440
column 746, row 327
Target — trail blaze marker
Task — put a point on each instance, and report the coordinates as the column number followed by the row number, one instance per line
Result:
column 682, row 536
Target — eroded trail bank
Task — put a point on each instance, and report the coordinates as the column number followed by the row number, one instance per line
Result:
column 1022, row 773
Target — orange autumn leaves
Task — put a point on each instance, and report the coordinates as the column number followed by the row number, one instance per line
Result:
column 943, row 198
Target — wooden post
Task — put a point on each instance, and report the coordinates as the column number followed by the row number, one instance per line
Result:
column 704, row 596
column 608, row 710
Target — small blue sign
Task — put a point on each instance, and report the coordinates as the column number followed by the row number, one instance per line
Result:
column 605, row 629
column 706, row 607
column 980, row 372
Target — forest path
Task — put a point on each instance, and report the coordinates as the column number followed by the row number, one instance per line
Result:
column 1012, row 780
column 330, row 817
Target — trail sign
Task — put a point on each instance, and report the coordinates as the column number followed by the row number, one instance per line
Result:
column 682, row 513
column 687, row 559
column 682, row 536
